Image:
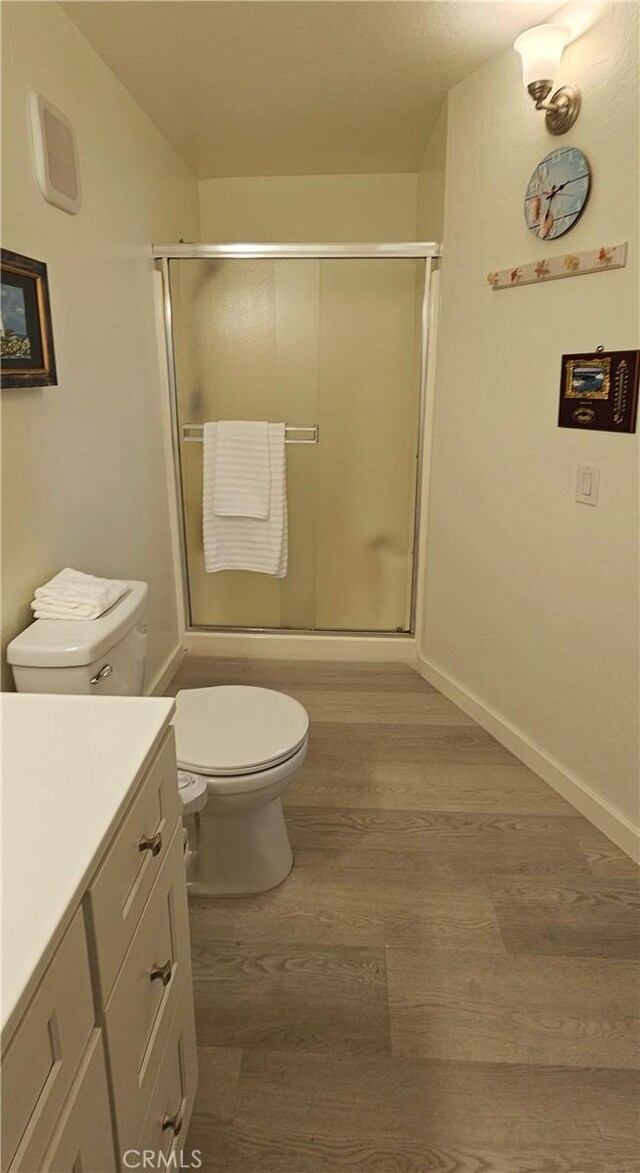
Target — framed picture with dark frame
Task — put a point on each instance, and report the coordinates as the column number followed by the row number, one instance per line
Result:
column 27, row 356
column 600, row 390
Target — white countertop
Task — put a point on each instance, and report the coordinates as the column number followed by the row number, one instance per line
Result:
column 69, row 766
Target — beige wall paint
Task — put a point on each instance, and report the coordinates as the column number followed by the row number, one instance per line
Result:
column 431, row 182
column 84, row 475
column 531, row 601
column 305, row 208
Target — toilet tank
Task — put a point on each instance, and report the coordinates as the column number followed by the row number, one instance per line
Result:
column 96, row 657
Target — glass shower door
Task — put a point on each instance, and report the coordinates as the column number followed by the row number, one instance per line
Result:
column 333, row 342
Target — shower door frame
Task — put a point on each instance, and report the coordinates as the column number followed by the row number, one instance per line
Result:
column 429, row 252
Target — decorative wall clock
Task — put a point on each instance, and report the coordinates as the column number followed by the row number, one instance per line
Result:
column 557, row 193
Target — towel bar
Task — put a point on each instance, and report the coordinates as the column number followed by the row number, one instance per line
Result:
column 192, row 433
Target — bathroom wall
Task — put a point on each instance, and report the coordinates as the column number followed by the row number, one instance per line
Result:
column 319, row 208
column 531, row 600
column 431, row 181
column 84, row 479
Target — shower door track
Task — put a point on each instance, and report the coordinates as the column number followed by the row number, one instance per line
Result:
column 429, row 251
column 199, row 252
column 352, row 632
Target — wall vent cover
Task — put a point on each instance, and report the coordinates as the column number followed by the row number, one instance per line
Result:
column 55, row 155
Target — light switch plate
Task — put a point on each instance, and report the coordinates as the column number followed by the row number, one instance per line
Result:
column 588, row 484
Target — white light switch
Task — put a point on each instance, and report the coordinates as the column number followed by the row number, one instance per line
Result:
column 588, row 484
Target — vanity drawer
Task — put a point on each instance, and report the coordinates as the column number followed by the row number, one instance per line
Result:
column 41, row 1061
column 171, row 1102
column 118, row 893
column 147, row 993
column 83, row 1139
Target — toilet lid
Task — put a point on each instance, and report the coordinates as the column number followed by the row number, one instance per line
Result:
column 234, row 729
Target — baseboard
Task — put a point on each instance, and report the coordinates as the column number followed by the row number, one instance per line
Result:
column 168, row 670
column 597, row 810
column 266, row 646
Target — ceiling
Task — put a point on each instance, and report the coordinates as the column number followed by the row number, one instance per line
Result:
column 300, row 87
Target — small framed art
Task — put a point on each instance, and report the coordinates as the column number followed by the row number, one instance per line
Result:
column 27, row 356
column 600, row 390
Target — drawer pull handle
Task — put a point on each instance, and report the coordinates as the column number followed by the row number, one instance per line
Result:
column 162, row 972
column 173, row 1122
column 151, row 843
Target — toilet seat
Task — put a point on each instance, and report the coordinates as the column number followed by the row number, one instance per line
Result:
column 231, row 731
column 257, row 785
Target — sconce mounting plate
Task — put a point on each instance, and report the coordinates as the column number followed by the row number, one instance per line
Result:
column 563, row 109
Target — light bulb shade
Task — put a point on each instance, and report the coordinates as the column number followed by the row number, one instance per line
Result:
column 541, row 49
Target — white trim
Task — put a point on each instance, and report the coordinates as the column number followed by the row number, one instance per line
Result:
column 417, row 548
column 166, row 673
column 280, row 646
column 168, row 434
column 612, row 822
column 252, row 250
column 430, row 329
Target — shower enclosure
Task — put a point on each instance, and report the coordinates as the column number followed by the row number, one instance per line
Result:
column 331, row 340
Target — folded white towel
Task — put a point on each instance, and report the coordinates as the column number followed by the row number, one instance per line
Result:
column 247, row 543
column 241, row 473
column 74, row 595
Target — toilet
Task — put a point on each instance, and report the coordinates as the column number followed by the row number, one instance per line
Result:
column 244, row 746
column 238, row 747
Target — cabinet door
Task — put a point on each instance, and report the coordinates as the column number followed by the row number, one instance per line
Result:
column 43, row 1056
column 171, row 1101
column 83, row 1139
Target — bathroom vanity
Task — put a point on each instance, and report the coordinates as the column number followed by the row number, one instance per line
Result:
column 98, row 1038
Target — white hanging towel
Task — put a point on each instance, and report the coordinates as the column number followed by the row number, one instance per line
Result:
column 241, row 472
column 246, row 543
column 74, row 595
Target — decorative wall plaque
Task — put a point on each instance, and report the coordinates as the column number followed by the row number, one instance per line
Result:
column 594, row 260
column 599, row 390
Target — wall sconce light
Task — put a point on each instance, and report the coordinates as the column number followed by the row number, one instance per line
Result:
column 541, row 49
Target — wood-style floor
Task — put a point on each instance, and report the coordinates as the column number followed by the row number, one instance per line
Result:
column 448, row 980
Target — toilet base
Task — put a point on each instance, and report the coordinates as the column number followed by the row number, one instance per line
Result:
column 238, row 854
